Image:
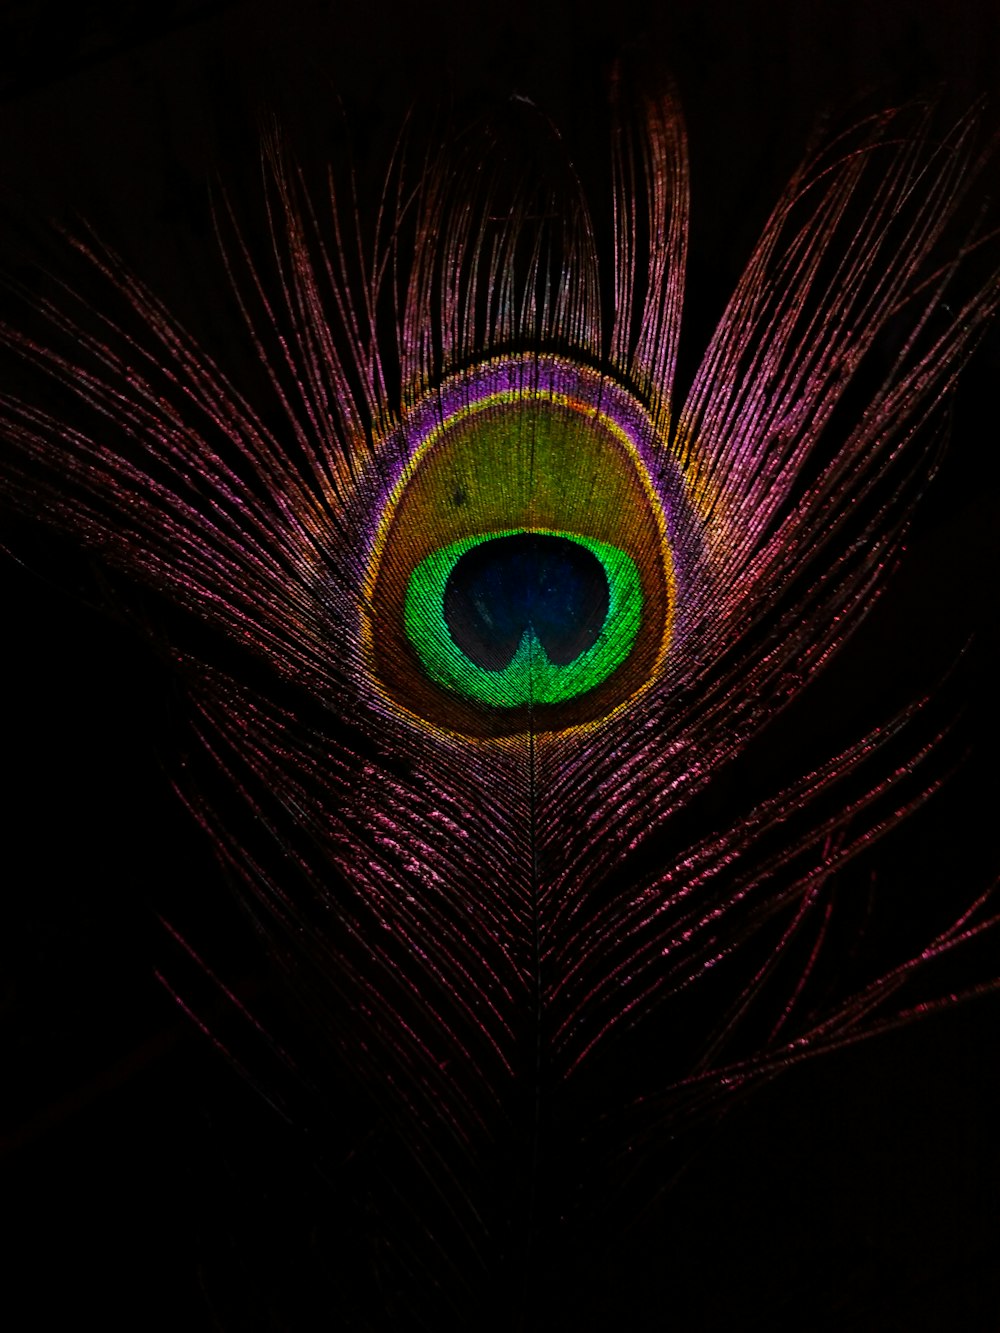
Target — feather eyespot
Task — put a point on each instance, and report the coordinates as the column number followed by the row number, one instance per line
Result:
column 521, row 577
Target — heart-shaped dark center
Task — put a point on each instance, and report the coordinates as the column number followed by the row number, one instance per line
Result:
column 504, row 587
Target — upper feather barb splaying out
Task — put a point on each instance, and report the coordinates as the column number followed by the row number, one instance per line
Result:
column 499, row 604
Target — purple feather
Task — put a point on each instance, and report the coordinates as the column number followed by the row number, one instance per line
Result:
column 513, row 928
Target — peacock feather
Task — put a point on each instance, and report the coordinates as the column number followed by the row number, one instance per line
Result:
column 477, row 609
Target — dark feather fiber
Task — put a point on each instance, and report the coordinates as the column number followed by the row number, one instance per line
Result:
column 499, row 996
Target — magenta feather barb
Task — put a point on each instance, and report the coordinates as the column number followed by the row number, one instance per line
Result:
column 483, row 616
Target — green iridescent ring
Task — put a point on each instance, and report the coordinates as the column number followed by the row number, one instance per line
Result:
column 530, row 677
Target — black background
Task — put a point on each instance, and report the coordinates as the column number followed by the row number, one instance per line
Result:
column 146, row 1186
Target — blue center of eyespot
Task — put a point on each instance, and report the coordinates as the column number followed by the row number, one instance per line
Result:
column 504, row 587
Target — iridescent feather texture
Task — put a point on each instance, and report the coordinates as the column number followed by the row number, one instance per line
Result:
column 490, row 604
